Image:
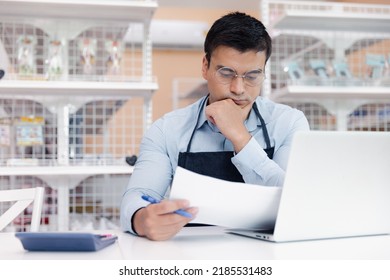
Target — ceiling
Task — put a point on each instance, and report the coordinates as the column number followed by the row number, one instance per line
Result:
column 212, row 4
column 242, row 4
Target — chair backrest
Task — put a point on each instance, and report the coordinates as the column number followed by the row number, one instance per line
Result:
column 22, row 198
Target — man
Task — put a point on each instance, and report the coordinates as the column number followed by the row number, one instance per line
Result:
column 231, row 134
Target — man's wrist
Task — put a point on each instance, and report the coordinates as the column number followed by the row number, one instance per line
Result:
column 135, row 227
column 242, row 142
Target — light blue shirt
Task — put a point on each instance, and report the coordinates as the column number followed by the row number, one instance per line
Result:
column 169, row 135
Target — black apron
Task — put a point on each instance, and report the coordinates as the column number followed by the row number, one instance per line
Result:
column 218, row 164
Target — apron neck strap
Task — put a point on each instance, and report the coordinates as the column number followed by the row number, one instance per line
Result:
column 197, row 121
column 263, row 127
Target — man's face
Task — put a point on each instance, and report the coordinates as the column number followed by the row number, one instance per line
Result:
column 238, row 90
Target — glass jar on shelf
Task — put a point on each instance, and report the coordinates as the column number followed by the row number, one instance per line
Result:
column 54, row 63
column 26, row 57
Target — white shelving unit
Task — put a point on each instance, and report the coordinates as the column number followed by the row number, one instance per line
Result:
column 187, row 90
column 311, row 39
column 96, row 100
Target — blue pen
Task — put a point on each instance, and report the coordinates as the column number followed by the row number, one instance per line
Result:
column 154, row 201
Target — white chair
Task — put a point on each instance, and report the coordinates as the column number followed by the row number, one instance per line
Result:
column 23, row 198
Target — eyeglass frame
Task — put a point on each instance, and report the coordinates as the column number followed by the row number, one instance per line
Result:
column 235, row 75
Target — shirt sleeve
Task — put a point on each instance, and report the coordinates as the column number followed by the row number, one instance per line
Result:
column 252, row 161
column 152, row 175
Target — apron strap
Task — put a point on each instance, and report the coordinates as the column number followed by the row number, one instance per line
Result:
column 263, row 127
column 197, row 121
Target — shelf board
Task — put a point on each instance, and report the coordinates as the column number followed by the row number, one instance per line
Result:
column 10, row 88
column 299, row 93
column 333, row 21
column 141, row 11
column 65, row 170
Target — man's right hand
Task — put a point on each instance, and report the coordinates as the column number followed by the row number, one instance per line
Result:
column 158, row 222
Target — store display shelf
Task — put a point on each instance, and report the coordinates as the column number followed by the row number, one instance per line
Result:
column 75, row 63
column 65, row 170
column 333, row 17
column 63, row 179
column 134, row 10
column 68, row 88
column 295, row 92
column 367, row 123
column 320, row 21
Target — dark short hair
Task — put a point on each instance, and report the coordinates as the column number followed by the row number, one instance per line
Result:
column 239, row 31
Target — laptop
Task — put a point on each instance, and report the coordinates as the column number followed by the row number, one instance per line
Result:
column 337, row 184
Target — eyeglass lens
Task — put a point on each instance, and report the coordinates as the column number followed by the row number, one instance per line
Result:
column 226, row 75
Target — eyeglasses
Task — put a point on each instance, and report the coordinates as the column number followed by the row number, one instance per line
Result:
column 225, row 75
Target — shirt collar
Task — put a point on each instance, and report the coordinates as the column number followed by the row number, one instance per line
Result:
column 251, row 123
column 202, row 117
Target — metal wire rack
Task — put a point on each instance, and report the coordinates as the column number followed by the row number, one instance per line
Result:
column 341, row 68
column 76, row 92
column 93, row 204
column 98, row 53
column 100, row 132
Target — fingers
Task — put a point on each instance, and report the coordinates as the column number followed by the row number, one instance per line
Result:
column 224, row 111
column 171, row 224
column 159, row 222
column 229, row 118
column 169, row 206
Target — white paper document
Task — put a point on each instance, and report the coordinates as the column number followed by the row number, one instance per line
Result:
column 227, row 204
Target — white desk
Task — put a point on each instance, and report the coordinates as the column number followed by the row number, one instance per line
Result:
column 211, row 243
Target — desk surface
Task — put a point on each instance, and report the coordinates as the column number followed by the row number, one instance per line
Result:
column 208, row 243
